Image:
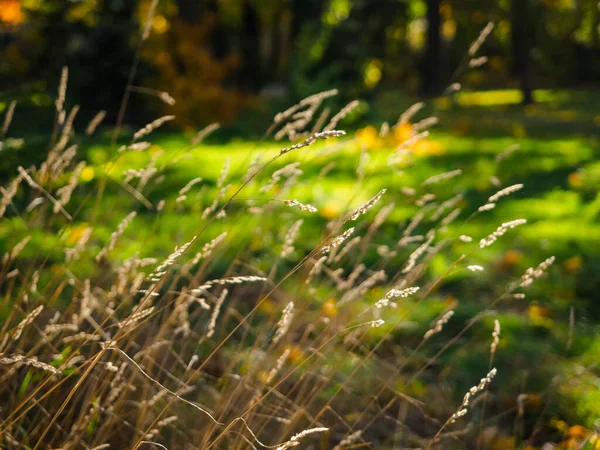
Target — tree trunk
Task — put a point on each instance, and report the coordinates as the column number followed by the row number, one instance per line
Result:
column 189, row 10
column 431, row 67
column 250, row 48
column 521, row 47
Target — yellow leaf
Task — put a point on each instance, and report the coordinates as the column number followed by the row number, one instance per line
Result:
column 578, row 431
column 511, row 258
column 575, row 179
column 160, row 24
column 87, row 173
column 296, row 354
column 429, row 148
column 503, row 443
column 331, row 210
column 402, row 133
column 330, row 308
column 10, row 12
column 573, row 264
column 368, row 137
column 76, row 233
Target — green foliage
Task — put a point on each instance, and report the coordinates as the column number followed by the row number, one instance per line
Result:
column 533, row 357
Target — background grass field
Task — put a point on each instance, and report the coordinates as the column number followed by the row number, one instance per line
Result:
column 546, row 388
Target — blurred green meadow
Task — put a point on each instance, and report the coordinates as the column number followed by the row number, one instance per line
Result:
column 553, row 150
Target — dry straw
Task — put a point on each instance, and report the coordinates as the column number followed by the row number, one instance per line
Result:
column 475, row 46
column 278, row 365
column 489, row 240
column 290, row 237
column 26, row 321
column 20, row 360
column 312, row 139
column 396, row 293
column 136, row 317
column 376, row 323
column 148, row 23
column 451, row 203
column 68, row 127
column 425, row 124
column 311, row 103
column 213, row 206
column 454, row 87
column 477, row 62
column 338, row 240
column 8, row 117
column 204, row 132
column 451, row 216
column 363, row 287
column 504, row 192
column 62, row 90
column 340, row 115
column 114, row 237
column 12, row 274
column 215, row 314
column 384, row 130
column 507, row 152
column 364, row 208
column 36, row 186
column 315, row 269
column 414, row 257
column 495, row 337
column 486, row 207
column 208, row 248
column 429, row 197
column 439, row 325
column 532, row 274
column 301, row 206
column 462, row 410
column 82, row 336
column 8, row 194
column 343, row 285
column 321, row 120
column 73, row 254
column 441, row 177
column 348, row 440
column 284, row 323
column 346, row 248
column 135, row 147
column 157, row 274
column 184, row 190
column 18, row 248
column 65, row 192
column 295, row 440
column 225, row 281
column 151, row 127
column 95, row 122
column 410, row 112
column 290, row 171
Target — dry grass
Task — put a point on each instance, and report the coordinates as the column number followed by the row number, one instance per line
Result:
column 159, row 352
column 150, row 352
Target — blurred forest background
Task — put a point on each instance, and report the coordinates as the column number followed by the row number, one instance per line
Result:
column 223, row 58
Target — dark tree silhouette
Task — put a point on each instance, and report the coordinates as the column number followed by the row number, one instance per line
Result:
column 521, row 47
column 431, row 65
